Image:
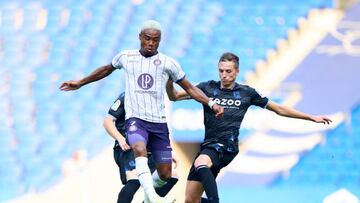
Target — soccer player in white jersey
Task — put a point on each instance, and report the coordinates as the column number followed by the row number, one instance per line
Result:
column 146, row 75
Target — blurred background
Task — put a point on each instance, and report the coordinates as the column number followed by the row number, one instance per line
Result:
column 304, row 54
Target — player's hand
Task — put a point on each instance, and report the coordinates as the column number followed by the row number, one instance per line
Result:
column 321, row 119
column 70, row 85
column 124, row 146
column 219, row 110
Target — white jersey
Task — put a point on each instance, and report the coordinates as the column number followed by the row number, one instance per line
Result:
column 146, row 79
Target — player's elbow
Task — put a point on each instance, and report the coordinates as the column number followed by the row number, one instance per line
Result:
column 173, row 98
column 281, row 111
column 106, row 122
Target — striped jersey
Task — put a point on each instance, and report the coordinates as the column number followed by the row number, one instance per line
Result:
column 145, row 83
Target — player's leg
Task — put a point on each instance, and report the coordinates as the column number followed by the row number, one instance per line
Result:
column 125, row 162
column 202, row 165
column 127, row 193
column 159, row 144
column 163, row 183
column 163, row 190
column 138, row 137
column 219, row 161
column 193, row 191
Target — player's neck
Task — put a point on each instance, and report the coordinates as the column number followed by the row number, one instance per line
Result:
column 228, row 87
column 147, row 54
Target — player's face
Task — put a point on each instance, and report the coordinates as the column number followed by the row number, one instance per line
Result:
column 150, row 40
column 227, row 73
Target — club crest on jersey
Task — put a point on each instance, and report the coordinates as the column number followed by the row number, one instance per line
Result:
column 145, row 81
column 237, row 95
column 116, row 105
column 157, row 62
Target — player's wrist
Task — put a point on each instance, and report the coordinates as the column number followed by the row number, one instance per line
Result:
column 211, row 104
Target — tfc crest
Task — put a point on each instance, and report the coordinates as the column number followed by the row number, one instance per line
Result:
column 157, row 62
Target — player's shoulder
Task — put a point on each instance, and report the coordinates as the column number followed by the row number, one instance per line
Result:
column 239, row 86
column 119, row 103
column 122, row 97
column 168, row 59
column 212, row 84
column 244, row 88
column 130, row 52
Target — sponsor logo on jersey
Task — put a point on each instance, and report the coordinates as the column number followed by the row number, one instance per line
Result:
column 116, row 105
column 227, row 102
column 145, row 81
column 157, row 62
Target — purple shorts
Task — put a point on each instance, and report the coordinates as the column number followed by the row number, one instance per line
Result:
column 154, row 135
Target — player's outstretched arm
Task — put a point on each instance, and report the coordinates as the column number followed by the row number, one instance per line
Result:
column 292, row 113
column 199, row 96
column 96, row 75
column 175, row 95
column 109, row 125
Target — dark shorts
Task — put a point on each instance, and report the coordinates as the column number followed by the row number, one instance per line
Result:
column 219, row 156
column 126, row 162
column 154, row 135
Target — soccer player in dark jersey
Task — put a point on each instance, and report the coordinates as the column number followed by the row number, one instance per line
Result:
column 220, row 145
column 114, row 124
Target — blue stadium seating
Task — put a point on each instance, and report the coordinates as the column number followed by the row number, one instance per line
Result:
column 81, row 35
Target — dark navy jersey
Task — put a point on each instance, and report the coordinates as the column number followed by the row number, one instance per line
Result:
column 117, row 110
column 235, row 103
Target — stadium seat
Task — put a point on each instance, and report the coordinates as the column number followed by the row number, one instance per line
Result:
column 78, row 36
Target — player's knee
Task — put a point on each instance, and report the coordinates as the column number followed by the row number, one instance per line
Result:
column 165, row 175
column 139, row 149
column 202, row 160
column 191, row 199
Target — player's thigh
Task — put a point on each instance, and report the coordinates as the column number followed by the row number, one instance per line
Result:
column 137, row 136
column 193, row 191
column 131, row 175
column 203, row 159
column 207, row 156
column 159, row 139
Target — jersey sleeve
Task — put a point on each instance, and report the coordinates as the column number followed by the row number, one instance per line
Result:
column 117, row 109
column 202, row 85
column 175, row 71
column 257, row 99
column 118, row 60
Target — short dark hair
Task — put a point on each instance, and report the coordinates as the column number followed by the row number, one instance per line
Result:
column 228, row 56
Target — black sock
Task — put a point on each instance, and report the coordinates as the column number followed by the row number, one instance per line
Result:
column 127, row 192
column 204, row 200
column 163, row 190
column 209, row 183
